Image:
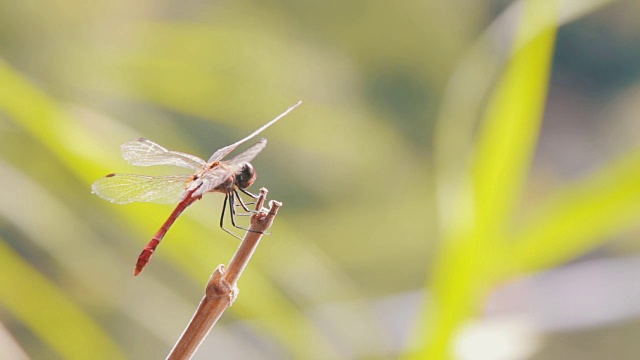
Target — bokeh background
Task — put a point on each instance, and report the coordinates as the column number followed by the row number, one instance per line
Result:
column 461, row 181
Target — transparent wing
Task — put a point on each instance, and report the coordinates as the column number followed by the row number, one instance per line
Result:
column 127, row 188
column 143, row 152
column 220, row 154
column 249, row 154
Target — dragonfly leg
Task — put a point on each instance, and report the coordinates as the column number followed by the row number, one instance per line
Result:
column 224, row 209
column 247, row 203
column 231, row 199
column 248, row 193
column 243, row 204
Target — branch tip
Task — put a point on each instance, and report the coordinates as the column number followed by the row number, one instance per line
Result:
column 221, row 290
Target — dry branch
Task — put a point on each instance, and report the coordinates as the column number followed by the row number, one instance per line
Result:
column 221, row 290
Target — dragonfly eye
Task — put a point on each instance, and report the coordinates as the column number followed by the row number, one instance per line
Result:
column 246, row 176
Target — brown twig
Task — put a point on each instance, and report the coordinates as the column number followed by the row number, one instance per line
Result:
column 221, row 290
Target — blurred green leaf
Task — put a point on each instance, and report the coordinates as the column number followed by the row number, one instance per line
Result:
column 580, row 217
column 465, row 96
column 46, row 121
column 467, row 261
column 509, row 133
column 50, row 314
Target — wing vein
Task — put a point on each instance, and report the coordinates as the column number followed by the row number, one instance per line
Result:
column 127, row 188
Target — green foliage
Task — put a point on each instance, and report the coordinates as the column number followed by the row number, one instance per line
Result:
column 50, row 314
column 366, row 211
column 488, row 243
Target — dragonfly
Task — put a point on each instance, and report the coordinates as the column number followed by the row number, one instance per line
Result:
column 214, row 175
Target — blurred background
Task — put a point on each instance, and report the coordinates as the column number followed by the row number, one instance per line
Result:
column 461, row 181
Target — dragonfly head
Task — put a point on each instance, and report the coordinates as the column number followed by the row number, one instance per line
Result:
column 245, row 176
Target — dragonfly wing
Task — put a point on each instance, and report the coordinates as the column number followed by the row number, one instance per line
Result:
column 249, row 154
column 220, row 154
column 127, row 188
column 143, row 152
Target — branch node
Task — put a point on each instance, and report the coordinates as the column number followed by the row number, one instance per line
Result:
column 219, row 287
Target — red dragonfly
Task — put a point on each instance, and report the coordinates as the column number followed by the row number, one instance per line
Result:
column 214, row 175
